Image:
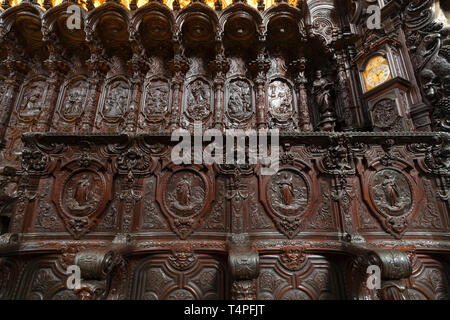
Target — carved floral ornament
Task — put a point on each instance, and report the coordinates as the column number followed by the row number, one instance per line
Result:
column 288, row 197
column 80, row 195
column 185, row 195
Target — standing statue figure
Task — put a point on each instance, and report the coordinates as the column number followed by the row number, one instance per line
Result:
column 322, row 89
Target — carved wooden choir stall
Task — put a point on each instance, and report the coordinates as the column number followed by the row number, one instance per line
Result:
column 90, row 93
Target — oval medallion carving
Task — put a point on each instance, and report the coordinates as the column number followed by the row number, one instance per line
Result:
column 82, row 193
column 185, row 195
column 288, row 193
column 391, row 192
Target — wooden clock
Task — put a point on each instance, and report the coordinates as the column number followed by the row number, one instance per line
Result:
column 377, row 72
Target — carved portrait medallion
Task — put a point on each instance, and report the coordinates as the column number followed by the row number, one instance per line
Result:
column 198, row 100
column 73, row 101
column 185, row 194
column 239, row 106
column 288, row 193
column 82, row 193
column 391, row 193
column 116, row 100
column 156, row 100
column 280, row 101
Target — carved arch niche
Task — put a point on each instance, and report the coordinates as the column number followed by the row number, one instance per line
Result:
column 289, row 196
column 393, row 194
column 81, row 194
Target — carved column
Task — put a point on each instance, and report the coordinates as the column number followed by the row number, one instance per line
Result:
column 179, row 67
column 138, row 68
column 301, row 81
column 219, row 67
column 130, row 197
column 98, row 67
column 260, row 67
column 11, row 86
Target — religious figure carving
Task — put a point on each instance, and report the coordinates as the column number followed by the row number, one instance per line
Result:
column 280, row 100
column 288, row 193
column 322, row 91
column 116, row 101
column 186, row 194
column 392, row 193
column 239, row 107
column 31, row 103
column 156, row 101
column 82, row 193
column 198, row 100
column 73, row 103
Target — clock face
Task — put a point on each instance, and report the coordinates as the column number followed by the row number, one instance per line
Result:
column 377, row 72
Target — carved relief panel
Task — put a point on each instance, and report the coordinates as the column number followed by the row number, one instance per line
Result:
column 280, row 104
column 31, row 100
column 185, row 195
column 239, row 103
column 393, row 195
column 71, row 104
column 198, row 102
column 289, row 197
column 155, row 105
column 181, row 275
column 296, row 275
column 81, row 194
column 113, row 103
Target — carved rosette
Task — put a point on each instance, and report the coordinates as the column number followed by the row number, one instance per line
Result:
column 185, row 195
column 288, row 197
column 392, row 195
column 81, row 195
